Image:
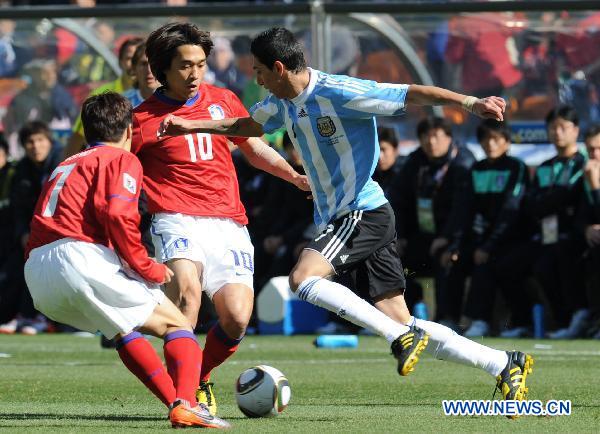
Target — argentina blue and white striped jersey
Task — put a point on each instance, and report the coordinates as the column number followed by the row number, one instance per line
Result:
column 332, row 125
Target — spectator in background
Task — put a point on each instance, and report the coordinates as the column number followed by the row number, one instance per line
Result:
column 7, row 255
column 484, row 46
column 144, row 82
column 494, row 226
column 428, row 197
column 437, row 42
column 390, row 162
column 42, row 155
column 590, row 217
column 223, row 66
column 556, row 193
column 120, row 85
column 244, row 60
column 8, row 55
column 44, row 100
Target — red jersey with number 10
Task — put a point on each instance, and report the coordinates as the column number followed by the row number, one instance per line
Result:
column 192, row 174
column 93, row 197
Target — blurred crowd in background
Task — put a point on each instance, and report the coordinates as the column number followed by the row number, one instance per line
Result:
column 483, row 242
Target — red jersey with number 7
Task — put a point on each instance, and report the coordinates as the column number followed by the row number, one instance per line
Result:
column 192, row 174
column 93, row 197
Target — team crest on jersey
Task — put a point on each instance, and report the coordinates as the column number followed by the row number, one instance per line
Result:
column 216, row 112
column 129, row 183
column 181, row 244
column 325, row 126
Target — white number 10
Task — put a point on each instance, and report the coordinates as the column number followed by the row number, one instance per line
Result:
column 204, row 146
column 63, row 173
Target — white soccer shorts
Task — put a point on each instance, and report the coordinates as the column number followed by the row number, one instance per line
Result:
column 85, row 285
column 221, row 245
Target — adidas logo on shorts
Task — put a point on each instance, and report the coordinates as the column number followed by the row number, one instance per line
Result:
column 343, row 258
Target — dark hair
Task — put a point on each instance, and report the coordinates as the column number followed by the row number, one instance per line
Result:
column 565, row 112
column 241, row 45
column 280, row 44
column 387, row 135
column 162, row 44
column 488, row 126
column 433, row 123
column 139, row 52
column 591, row 132
column 129, row 42
column 31, row 128
column 105, row 117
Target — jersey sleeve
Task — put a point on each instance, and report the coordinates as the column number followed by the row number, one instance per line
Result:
column 137, row 138
column 238, row 111
column 367, row 98
column 122, row 190
column 268, row 113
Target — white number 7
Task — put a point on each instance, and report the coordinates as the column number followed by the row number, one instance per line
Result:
column 64, row 172
column 204, row 146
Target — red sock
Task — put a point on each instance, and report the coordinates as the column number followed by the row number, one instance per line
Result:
column 141, row 359
column 184, row 358
column 218, row 348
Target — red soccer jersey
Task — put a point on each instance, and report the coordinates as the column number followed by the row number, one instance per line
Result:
column 191, row 174
column 92, row 196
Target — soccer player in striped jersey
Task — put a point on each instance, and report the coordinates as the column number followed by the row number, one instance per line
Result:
column 331, row 121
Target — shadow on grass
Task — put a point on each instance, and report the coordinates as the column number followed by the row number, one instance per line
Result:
column 126, row 418
column 52, row 416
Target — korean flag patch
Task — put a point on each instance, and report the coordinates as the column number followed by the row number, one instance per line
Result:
column 216, row 112
column 129, row 183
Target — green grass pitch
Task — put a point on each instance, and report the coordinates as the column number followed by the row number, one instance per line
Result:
column 64, row 383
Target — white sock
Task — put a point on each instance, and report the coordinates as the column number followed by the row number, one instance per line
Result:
column 445, row 344
column 345, row 303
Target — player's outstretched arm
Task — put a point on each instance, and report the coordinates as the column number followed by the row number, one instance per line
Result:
column 239, row 127
column 491, row 107
column 263, row 157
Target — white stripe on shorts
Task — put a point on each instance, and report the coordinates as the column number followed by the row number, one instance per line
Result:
column 340, row 230
column 356, row 216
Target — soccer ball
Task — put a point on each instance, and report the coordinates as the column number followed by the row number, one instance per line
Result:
column 262, row 391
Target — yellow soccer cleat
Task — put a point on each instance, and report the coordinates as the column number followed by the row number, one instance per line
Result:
column 204, row 395
column 407, row 347
column 512, row 380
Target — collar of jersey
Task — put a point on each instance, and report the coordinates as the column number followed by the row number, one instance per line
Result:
column 95, row 145
column 300, row 99
column 159, row 94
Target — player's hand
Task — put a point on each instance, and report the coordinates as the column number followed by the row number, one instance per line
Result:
column 172, row 125
column 592, row 235
column 437, row 244
column 168, row 275
column 592, row 174
column 480, row 257
column 301, row 181
column 492, row 107
column 448, row 258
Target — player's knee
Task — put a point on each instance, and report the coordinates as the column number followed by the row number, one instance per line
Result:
column 297, row 276
column 190, row 291
column 234, row 326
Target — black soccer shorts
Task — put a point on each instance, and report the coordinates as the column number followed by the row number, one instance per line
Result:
column 363, row 243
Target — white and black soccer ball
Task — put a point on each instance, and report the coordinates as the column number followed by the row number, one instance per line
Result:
column 262, row 391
